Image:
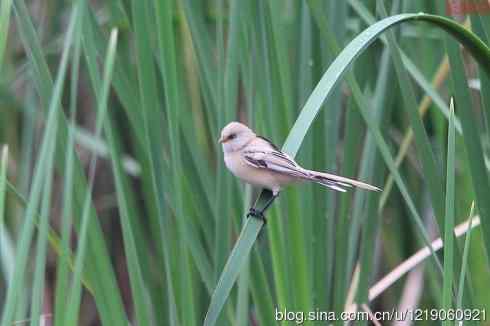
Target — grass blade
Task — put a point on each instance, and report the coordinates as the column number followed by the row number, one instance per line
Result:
column 447, row 295
column 75, row 293
column 236, row 260
column 126, row 210
column 3, row 184
column 5, row 8
column 37, row 314
column 4, row 240
column 464, row 263
column 65, row 256
column 7, row 254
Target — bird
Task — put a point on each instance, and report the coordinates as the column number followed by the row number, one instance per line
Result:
column 257, row 161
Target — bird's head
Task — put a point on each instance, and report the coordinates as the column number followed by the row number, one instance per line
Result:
column 234, row 136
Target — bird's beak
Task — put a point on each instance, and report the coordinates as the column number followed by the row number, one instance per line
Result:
column 221, row 140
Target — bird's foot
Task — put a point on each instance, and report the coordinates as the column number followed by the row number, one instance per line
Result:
column 257, row 214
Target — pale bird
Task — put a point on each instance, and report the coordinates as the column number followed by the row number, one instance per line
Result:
column 257, row 161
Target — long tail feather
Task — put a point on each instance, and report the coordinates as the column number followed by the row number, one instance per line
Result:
column 337, row 182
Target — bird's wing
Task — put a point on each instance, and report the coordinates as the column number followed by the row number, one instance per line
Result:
column 263, row 154
column 273, row 160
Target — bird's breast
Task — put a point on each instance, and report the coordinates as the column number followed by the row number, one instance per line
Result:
column 234, row 163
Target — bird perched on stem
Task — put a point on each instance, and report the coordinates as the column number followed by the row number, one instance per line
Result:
column 257, row 161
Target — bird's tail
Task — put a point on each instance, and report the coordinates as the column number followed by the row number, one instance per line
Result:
column 336, row 182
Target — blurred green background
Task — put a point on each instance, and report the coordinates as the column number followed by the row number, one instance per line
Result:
column 116, row 206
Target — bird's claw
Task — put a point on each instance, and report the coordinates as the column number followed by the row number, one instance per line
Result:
column 257, row 214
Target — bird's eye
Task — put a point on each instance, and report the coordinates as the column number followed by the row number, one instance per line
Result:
column 232, row 136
